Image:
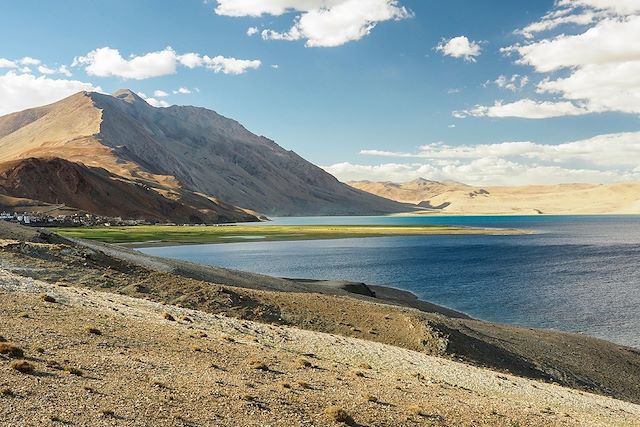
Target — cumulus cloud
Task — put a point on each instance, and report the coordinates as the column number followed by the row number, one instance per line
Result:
column 603, row 158
column 524, row 108
column 154, row 101
column 321, row 23
column 595, row 70
column 460, row 47
column 6, row 63
column 160, row 93
column 108, row 62
column 22, row 91
column 182, row 91
column 251, row 31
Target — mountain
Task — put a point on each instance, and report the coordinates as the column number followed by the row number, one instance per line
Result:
column 56, row 181
column 186, row 148
column 457, row 198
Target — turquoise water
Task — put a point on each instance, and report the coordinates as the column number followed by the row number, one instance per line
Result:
column 577, row 273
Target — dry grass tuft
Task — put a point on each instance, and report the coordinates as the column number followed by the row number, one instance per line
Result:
column 11, row 350
column 6, row 392
column 371, row 398
column 22, row 366
column 335, row 413
column 359, row 374
column 186, row 319
column 259, row 365
column 227, row 338
column 107, row 413
column 73, row 371
column 93, row 330
column 303, row 363
column 169, row 317
column 2, row 339
column 365, row 366
column 47, row 298
column 304, row 384
column 416, row 410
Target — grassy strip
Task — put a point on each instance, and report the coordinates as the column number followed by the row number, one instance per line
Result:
column 244, row 233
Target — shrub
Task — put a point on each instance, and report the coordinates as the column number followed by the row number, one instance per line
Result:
column 22, row 366
column 11, row 350
column 93, row 330
column 335, row 413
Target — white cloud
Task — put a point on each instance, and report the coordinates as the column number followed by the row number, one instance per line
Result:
column 190, row 60
column 160, row 93
column 108, row 62
column 221, row 64
column 27, row 60
column 460, row 47
column 322, row 23
column 153, row 101
column 606, row 42
column 22, row 91
column 603, row 158
column 512, row 83
column 182, row 91
column 524, row 108
column 251, row 31
column 43, row 69
column 595, row 70
column 6, row 63
column 480, row 172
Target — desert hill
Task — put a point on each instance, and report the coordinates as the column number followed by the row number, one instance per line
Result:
column 181, row 147
column 90, row 189
column 457, row 198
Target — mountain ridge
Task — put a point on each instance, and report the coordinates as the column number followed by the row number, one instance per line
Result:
column 190, row 148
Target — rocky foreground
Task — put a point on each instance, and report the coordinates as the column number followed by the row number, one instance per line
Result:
column 97, row 335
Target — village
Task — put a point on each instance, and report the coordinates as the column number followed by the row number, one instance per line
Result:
column 74, row 220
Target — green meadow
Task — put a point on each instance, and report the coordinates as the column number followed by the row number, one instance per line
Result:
column 146, row 235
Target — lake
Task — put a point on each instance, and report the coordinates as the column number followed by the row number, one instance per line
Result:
column 576, row 273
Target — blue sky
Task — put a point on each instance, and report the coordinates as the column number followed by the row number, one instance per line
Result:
column 369, row 89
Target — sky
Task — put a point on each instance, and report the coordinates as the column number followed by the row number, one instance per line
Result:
column 493, row 92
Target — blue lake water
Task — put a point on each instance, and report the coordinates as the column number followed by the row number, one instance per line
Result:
column 577, row 273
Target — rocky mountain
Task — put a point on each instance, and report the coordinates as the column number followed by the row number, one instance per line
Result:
column 60, row 182
column 182, row 148
column 456, row 198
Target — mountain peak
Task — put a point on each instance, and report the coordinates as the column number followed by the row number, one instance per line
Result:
column 127, row 95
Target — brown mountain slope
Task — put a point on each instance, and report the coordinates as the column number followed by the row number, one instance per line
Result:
column 456, row 198
column 186, row 147
column 95, row 190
